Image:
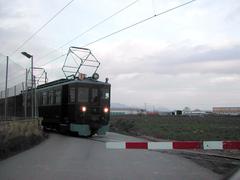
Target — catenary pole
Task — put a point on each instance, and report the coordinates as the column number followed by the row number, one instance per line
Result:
column 6, row 89
column 32, row 93
column 26, row 91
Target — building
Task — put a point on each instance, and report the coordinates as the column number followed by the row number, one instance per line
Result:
column 125, row 111
column 195, row 112
column 177, row 113
column 227, row 110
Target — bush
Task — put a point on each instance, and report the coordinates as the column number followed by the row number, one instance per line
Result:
column 16, row 136
column 179, row 127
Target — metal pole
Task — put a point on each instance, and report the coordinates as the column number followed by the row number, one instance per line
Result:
column 6, row 89
column 35, row 99
column 15, row 102
column 26, row 92
column 22, row 92
column 45, row 77
column 32, row 85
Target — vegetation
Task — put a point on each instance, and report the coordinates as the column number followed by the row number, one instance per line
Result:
column 16, row 136
column 179, row 127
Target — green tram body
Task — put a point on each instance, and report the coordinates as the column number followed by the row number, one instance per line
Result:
column 80, row 106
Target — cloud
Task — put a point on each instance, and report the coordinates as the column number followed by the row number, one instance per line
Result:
column 171, row 75
column 171, row 60
column 190, row 57
column 225, row 79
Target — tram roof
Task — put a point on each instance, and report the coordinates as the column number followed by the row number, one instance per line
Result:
column 72, row 81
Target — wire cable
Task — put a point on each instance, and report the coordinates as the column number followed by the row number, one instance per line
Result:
column 89, row 29
column 39, row 29
column 139, row 22
column 125, row 28
column 17, row 76
column 52, row 60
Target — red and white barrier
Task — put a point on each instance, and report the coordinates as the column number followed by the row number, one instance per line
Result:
column 206, row 145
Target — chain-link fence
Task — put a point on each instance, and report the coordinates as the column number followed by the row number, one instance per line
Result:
column 17, row 91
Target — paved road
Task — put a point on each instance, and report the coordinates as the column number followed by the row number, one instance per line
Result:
column 63, row 157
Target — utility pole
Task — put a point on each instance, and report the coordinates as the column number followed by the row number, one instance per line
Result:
column 32, row 79
column 32, row 95
column 15, row 99
column 26, row 92
column 145, row 106
column 23, row 96
column 35, row 98
column 6, row 89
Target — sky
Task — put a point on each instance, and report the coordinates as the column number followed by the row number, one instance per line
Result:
column 187, row 57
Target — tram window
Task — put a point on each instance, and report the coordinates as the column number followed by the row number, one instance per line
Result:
column 44, row 98
column 50, row 97
column 105, row 94
column 71, row 95
column 83, row 94
column 39, row 99
column 58, row 97
column 94, row 95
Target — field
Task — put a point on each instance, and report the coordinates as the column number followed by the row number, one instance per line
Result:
column 179, row 127
column 16, row 136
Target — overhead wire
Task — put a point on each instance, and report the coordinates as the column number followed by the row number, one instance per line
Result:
column 139, row 22
column 10, row 60
column 52, row 60
column 3, row 57
column 43, row 26
column 17, row 76
column 127, row 27
column 89, row 29
column 153, row 8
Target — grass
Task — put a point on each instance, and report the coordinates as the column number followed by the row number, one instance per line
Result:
column 179, row 127
column 16, row 136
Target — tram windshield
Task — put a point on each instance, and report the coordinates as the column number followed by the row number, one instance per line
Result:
column 105, row 94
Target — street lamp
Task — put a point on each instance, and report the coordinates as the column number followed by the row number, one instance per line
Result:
column 30, row 57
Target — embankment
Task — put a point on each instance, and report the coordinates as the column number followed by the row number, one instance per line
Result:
column 17, row 136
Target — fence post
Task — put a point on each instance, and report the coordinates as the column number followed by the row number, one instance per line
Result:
column 22, row 92
column 15, row 106
column 35, row 98
column 32, row 95
column 6, row 90
column 26, row 91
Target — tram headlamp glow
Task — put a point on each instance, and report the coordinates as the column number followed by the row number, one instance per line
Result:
column 106, row 110
column 84, row 108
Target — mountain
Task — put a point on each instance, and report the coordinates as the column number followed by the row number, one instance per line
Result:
column 118, row 105
column 149, row 108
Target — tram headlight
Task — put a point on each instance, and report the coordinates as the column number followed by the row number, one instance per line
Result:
column 106, row 110
column 84, row 108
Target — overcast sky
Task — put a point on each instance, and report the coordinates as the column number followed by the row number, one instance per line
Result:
column 188, row 57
